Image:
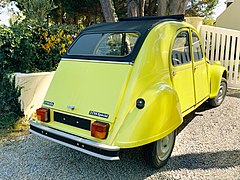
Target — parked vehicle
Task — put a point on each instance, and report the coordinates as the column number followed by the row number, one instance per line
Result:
column 129, row 84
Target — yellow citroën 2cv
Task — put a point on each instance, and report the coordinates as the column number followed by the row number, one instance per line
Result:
column 129, row 84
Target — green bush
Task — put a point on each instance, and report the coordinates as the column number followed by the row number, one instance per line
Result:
column 32, row 47
column 10, row 107
column 25, row 47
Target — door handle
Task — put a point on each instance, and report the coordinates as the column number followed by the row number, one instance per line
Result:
column 195, row 68
column 174, row 73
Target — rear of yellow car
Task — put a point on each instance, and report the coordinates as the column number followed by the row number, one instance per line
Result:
column 108, row 90
column 113, row 90
column 82, row 101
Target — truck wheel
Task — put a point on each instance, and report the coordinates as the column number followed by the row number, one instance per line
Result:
column 157, row 153
column 221, row 94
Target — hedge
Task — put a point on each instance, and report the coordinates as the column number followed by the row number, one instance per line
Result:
column 28, row 47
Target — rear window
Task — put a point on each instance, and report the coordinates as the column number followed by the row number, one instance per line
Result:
column 104, row 44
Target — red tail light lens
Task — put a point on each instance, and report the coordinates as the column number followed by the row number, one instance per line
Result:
column 43, row 114
column 99, row 130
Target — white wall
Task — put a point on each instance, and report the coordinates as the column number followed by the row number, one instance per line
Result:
column 33, row 89
column 230, row 17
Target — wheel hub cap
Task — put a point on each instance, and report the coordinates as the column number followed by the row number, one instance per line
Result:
column 164, row 146
column 221, row 93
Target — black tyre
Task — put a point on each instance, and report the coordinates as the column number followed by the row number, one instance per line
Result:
column 221, row 94
column 157, row 153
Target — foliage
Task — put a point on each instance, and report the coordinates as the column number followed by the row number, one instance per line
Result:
column 3, row 3
column 202, row 8
column 209, row 21
column 85, row 12
column 79, row 12
column 30, row 46
column 10, row 108
column 53, row 43
column 35, row 9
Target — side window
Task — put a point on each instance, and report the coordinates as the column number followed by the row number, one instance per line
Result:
column 197, row 49
column 181, row 50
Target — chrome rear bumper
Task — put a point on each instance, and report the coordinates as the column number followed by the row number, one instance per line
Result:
column 92, row 148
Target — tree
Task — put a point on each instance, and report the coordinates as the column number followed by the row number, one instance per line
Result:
column 209, row 21
column 202, row 8
column 171, row 7
column 79, row 12
column 162, row 7
column 135, row 7
column 108, row 10
column 132, row 7
column 3, row 3
column 35, row 9
column 8, row 5
column 177, row 6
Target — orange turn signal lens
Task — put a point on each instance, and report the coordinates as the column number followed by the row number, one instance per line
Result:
column 99, row 130
column 43, row 114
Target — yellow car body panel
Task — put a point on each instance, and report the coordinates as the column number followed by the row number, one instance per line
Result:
column 101, row 91
column 150, row 80
column 216, row 73
column 112, row 88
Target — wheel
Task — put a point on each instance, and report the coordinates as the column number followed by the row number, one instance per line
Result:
column 157, row 153
column 221, row 94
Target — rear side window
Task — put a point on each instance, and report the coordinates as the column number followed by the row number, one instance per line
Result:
column 181, row 49
column 104, row 44
column 197, row 49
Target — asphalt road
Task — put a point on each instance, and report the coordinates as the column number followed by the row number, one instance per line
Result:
column 207, row 147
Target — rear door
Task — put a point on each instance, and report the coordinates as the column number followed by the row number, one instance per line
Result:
column 182, row 70
column 199, row 70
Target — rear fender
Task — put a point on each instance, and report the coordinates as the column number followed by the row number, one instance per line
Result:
column 160, row 116
column 217, row 72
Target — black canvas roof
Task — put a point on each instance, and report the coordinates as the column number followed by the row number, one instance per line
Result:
column 141, row 25
column 134, row 24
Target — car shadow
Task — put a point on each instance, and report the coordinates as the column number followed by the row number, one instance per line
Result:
column 204, row 107
column 197, row 112
column 206, row 160
column 133, row 166
column 233, row 93
column 191, row 161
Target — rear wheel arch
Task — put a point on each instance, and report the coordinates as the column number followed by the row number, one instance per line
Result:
column 217, row 101
column 160, row 116
column 217, row 73
column 224, row 75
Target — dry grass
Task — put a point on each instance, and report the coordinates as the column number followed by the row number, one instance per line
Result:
column 20, row 128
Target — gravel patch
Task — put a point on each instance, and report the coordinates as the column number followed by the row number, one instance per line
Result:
column 207, row 147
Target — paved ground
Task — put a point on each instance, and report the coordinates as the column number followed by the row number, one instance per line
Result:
column 207, row 147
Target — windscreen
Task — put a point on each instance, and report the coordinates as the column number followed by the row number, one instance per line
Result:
column 104, row 44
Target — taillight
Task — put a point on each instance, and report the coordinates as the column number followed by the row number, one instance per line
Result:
column 99, row 130
column 43, row 114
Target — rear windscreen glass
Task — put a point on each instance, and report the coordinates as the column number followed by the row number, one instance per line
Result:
column 104, row 44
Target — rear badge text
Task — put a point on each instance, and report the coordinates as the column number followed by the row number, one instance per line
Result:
column 48, row 103
column 98, row 114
